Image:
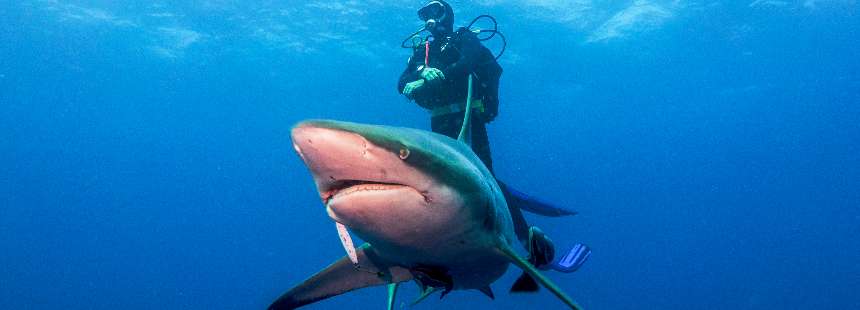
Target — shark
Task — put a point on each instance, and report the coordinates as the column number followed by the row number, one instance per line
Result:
column 427, row 208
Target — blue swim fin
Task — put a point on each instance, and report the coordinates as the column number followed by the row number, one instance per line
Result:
column 574, row 259
column 530, row 204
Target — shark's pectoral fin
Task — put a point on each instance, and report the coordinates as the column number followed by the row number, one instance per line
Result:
column 534, row 273
column 341, row 277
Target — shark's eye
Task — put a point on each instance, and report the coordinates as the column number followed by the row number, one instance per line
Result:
column 404, row 153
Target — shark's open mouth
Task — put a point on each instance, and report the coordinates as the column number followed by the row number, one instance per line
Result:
column 342, row 188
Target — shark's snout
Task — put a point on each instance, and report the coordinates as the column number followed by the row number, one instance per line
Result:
column 323, row 149
column 314, row 140
column 333, row 156
column 364, row 185
column 339, row 159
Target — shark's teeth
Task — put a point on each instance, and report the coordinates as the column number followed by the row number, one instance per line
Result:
column 346, row 187
column 366, row 187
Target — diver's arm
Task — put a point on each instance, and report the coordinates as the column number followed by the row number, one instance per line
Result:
column 410, row 74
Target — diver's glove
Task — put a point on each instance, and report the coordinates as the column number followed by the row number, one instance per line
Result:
column 432, row 74
column 410, row 88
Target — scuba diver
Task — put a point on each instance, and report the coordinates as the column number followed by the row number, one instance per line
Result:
column 438, row 77
column 437, row 73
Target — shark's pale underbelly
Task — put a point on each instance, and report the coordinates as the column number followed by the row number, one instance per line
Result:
column 467, row 257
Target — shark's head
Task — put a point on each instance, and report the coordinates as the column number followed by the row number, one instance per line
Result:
column 396, row 186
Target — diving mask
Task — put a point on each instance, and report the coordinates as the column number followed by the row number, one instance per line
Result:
column 432, row 14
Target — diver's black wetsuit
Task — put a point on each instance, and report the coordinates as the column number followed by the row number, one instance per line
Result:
column 458, row 55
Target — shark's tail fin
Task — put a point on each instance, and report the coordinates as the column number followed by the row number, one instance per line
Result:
column 531, row 204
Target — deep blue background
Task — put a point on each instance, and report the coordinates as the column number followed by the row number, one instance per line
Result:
column 710, row 146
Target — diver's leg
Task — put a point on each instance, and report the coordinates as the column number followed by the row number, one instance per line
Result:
column 448, row 125
column 521, row 227
column 541, row 249
column 481, row 144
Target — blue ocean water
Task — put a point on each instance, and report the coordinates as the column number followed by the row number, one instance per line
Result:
column 711, row 147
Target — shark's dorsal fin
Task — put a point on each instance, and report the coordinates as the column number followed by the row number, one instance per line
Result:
column 341, row 277
column 506, row 250
column 465, row 135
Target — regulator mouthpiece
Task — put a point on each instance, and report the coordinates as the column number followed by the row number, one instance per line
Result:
column 430, row 25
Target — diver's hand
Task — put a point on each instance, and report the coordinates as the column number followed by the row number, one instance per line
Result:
column 432, row 74
column 410, row 88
